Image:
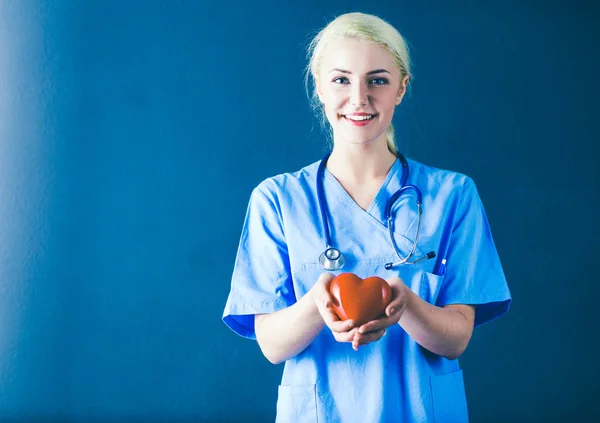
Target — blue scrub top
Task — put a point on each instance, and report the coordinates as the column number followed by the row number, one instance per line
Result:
column 393, row 379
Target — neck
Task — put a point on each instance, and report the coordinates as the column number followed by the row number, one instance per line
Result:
column 360, row 163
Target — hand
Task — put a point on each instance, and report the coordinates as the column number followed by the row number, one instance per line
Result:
column 343, row 330
column 375, row 329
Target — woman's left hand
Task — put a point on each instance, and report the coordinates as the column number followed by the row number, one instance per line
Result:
column 375, row 329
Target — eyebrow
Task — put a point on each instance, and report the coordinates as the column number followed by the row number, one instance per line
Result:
column 368, row 73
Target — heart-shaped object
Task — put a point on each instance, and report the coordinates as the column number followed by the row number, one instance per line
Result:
column 361, row 300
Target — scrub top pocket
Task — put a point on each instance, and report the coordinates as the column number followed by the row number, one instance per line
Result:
column 449, row 398
column 297, row 404
column 429, row 287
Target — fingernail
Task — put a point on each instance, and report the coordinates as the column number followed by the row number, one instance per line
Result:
column 392, row 311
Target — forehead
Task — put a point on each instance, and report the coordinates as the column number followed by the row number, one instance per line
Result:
column 355, row 56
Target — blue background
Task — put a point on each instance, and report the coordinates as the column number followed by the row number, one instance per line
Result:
column 131, row 135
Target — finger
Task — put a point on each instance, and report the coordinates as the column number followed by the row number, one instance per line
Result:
column 332, row 320
column 356, row 341
column 398, row 297
column 367, row 338
column 324, row 305
column 341, row 326
column 393, row 307
column 344, row 336
column 324, row 300
column 375, row 325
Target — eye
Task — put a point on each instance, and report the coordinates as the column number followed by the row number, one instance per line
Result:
column 379, row 81
column 341, row 80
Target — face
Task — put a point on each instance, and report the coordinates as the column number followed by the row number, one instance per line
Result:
column 359, row 86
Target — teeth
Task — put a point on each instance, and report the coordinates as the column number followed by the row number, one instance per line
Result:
column 359, row 118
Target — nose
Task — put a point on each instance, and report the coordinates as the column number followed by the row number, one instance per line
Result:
column 359, row 96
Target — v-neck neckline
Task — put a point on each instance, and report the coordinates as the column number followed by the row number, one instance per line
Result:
column 374, row 208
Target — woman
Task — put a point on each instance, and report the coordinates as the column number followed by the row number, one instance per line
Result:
column 403, row 366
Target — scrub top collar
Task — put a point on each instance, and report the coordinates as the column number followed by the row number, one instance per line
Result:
column 376, row 209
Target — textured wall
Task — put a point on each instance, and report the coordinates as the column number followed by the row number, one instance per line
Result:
column 131, row 135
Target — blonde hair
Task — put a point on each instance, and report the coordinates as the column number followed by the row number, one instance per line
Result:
column 363, row 27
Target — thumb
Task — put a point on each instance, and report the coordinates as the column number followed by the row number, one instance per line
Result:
column 320, row 290
column 394, row 280
column 325, row 299
column 325, row 279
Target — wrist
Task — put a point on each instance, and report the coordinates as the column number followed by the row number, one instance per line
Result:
column 407, row 303
column 313, row 297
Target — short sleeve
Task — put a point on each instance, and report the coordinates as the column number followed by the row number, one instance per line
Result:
column 474, row 273
column 261, row 281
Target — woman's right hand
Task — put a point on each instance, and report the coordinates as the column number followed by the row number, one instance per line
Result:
column 343, row 330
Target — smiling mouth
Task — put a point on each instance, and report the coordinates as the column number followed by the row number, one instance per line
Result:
column 359, row 118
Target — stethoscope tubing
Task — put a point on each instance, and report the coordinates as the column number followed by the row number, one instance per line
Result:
column 338, row 262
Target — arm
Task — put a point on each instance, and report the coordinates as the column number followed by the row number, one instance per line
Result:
column 285, row 333
column 445, row 331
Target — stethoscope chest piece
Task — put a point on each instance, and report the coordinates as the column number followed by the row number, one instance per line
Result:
column 332, row 259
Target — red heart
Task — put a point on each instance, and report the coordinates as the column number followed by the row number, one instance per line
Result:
column 361, row 300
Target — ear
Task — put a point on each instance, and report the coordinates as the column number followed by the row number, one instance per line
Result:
column 402, row 90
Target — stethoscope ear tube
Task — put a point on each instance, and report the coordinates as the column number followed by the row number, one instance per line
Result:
column 427, row 256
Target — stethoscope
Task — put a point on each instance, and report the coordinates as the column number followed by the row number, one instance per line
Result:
column 333, row 259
